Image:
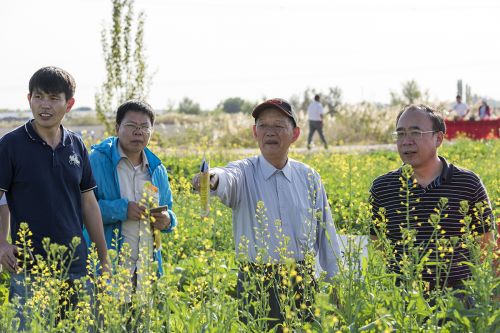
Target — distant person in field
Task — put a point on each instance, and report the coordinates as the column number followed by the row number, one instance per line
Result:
column 316, row 112
column 419, row 134
column 273, row 196
column 484, row 110
column 45, row 174
column 122, row 164
column 460, row 109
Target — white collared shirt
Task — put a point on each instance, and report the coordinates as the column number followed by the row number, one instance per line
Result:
column 137, row 234
column 294, row 204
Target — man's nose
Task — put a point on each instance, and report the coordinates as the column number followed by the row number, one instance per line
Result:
column 137, row 132
column 406, row 140
column 45, row 102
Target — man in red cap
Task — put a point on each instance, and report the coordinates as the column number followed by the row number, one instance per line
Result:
column 280, row 215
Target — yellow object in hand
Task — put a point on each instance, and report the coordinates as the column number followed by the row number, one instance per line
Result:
column 204, row 188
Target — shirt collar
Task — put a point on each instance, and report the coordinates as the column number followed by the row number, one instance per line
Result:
column 269, row 170
column 145, row 162
column 447, row 171
column 33, row 135
column 443, row 178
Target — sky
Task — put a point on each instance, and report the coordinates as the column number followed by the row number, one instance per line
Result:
column 215, row 49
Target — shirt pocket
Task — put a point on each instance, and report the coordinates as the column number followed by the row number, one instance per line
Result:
column 308, row 221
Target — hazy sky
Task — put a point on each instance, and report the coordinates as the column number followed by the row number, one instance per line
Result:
column 211, row 50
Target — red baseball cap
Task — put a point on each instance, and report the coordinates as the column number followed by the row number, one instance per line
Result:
column 278, row 104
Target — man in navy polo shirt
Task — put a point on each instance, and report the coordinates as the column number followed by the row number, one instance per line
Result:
column 45, row 173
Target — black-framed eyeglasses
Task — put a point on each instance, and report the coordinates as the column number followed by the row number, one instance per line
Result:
column 413, row 134
column 144, row 129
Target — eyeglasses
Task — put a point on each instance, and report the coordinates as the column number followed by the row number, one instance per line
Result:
column 278, row 128
column 144, row 129
column 413, row 134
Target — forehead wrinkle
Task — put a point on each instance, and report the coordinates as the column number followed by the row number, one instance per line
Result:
column 410, row 128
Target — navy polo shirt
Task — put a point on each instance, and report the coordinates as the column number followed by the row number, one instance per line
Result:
column 44, row 188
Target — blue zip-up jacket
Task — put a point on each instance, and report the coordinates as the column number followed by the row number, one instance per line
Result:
column 104, row 159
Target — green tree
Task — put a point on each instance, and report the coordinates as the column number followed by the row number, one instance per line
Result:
column 460, row 88
column 410, row 93
column 333, row 100
column 235, row 105
column 188, row 106
column 468, row 94
column 125, row 61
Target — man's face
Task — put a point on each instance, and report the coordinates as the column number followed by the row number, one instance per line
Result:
column 134, row 132
column 420, row 150
column 459, row 100
column 274, row 133
column 48, row 109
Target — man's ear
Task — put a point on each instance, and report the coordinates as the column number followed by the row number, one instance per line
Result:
column 296, row 134
column 69, row 104
column 254, row 130
column 439, row 139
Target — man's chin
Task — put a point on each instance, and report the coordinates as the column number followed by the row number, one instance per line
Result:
column 134, row 149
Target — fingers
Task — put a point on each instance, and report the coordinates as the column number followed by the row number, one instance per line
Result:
column 12, row 262
column 162, row 220
column 195, row 182
column 161, row 225
column 9, row 259
column 138, row 207
column 214, row 181
column 135, row 211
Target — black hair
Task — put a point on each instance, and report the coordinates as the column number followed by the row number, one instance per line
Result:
column 316, row 98
column 53, row 80
column 134, row 105
column 437, row 120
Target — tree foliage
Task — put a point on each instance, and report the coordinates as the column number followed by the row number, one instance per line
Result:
column 124, row 59
column 410, row 93
column 459, row 88
column 188, row 106
column 235, row 105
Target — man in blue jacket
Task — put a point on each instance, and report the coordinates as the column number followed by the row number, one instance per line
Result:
column 122, row 164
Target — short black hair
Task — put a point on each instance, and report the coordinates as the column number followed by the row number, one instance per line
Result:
column 135, row 105
column 458, row 96
column 53, row 80
column 437, row 120
column 316, row 97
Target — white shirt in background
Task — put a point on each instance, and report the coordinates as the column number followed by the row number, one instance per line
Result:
column 315, row 111
column 460, row 109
